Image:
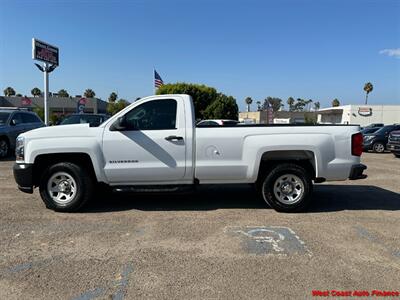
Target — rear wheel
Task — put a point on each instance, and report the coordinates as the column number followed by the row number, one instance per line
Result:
column 397, row 155
column 379, row 147
column 4, row 148
column 287, row 188
column 66, row 187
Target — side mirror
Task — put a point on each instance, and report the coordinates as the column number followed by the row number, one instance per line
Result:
column 120, row 124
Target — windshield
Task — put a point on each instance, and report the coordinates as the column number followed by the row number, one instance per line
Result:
column 75, row 119
column 385, row 129
column 4, row 117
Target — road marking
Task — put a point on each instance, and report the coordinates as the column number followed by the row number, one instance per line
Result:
column 122, row 282
column 88, row 295
column 269, row 240
column 364, row 233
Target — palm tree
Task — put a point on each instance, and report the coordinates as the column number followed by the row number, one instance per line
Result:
column 113, row 97
column 368, row 87
column 335, row 102
column 308, row 104
column 317, row 105
column 258, row 105
column 248, row 101
column 9, row 91
column 89, row 93
column 63, row 93
column 290, row 102
column 36, row 92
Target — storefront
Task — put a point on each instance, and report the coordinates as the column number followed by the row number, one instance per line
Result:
column 360, row 114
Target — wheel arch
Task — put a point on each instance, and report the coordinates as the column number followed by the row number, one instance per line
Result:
column 304, row 158
column 43, row 161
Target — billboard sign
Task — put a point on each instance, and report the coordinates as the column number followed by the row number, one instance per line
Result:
column 365, row 111
column 25, row 101
column 45, row 52
column 80, row 106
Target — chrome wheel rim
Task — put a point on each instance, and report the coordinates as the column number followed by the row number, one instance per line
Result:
column 379, row 148
column 61, row 187
column 3, row 148
column 288, row 189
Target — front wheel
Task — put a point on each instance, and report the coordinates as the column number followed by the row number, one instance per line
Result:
column 66, row 187
column 379, row 148
column 287, row 188
column 4, row 148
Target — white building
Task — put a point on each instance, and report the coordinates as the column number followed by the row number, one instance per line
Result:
column 360, row 114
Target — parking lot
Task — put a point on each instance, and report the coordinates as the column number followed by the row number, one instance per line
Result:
column 221, row 242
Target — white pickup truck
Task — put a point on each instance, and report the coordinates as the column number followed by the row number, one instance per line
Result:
column 154, row 145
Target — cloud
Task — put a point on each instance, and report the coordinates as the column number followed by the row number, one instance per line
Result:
column 391, row 52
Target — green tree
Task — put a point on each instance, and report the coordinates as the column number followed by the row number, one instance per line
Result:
column 335, row 102
column 202, row 95
column 18, row 95
column 317, row 105
column 89, row 93
column 368, row 87
column 113, row 97
column 63, row 93
column 39, row 111
column 36, row 92
column 9, row 91
column 290, row 102
column 224, row 107
column 299, row 104
column 248, row 102
column 275, row 103
column 114, row 107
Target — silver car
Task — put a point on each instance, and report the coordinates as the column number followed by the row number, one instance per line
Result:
column 12, row 123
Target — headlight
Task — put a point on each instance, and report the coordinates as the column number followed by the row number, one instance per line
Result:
column 19, row 148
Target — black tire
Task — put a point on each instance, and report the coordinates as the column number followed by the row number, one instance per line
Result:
column 396, row 155
column 4, row 148
column 83, row 187
column 378, row 147
column 278, row 172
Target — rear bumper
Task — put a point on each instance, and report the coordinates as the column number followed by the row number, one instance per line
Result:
column 23, row 174
column 356, row 172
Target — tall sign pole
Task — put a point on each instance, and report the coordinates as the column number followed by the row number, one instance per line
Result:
column 46, row 93
column 49, row 55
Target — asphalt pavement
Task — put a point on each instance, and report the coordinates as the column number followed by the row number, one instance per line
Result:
column 219, row 243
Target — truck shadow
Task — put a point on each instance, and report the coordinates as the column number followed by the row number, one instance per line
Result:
column 326, row 198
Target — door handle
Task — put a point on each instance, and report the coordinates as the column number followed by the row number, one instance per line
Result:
column 174, row 138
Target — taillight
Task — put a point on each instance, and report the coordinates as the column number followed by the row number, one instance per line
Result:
column 357, row 144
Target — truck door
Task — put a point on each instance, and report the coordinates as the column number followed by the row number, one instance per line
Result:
column 147, row 144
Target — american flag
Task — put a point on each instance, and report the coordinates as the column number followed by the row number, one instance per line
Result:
column 157, row 80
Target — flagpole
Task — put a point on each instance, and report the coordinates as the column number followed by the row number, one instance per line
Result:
column 154, row 77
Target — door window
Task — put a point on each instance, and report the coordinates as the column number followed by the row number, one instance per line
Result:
column 153, row 115
column 29, row 118
column 17, row 118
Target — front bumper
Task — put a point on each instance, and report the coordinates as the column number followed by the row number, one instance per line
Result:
column 356, row 172
column 393, row 147
column 23, row 174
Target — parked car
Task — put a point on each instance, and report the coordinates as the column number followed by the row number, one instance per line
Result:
column 153, row 146
column 205, row 123
column 369, row 130
column 378, row 140
column 94, row 120
column 12, row 123
column 393, row 144
column 373, row 125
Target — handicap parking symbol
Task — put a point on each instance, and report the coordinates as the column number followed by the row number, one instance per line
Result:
column 272, row 240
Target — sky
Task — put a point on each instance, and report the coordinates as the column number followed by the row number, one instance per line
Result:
column 311, row 49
